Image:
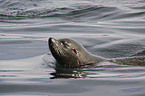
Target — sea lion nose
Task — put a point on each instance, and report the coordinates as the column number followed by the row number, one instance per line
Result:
column 51, row 40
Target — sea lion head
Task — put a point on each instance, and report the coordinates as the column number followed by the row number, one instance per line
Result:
column 69, row 53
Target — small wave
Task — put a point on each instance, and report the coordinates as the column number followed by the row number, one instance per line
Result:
column 75, row 13
column 140, row 53
column 68, row 13
column 140, row 7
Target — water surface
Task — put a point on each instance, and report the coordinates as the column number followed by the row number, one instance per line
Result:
column 106, row 28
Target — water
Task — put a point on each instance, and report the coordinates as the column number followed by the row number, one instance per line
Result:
column 107, row 28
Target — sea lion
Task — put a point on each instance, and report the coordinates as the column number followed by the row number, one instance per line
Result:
column 69, row 53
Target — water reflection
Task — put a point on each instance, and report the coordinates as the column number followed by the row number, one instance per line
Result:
column 67, row 73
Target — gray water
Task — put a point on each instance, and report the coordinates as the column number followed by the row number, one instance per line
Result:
column 106, row 28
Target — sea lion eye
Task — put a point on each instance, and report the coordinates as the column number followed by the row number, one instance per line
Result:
column 65, row 44
column 75, row 51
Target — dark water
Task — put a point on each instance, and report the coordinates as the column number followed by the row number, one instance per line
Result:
column 107, row 28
